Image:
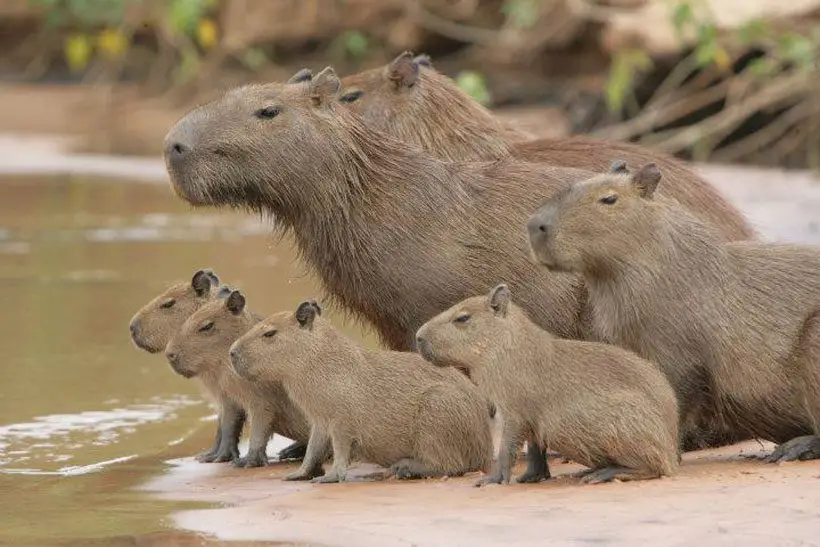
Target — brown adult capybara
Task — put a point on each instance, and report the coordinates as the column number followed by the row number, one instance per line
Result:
column 154, row 324
column 601, row 405
column 738, row 319
column 397, row 410
column 413, row 102
column 200, row 349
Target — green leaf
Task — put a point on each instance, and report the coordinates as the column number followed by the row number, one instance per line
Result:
column 753, row 31
column 184, row 14
column 473, row 84
column 798, row 50
column 625, row 65
column 682, row 16
column 254, row 58
column 355, row 43
column 523, row 13
column 761, row 67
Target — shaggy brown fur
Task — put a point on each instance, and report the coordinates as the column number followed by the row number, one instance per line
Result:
column 601, row 405
column 397, row 410
column 410, row 100
column 734, row 326
column 151, row 329
column 200, row 349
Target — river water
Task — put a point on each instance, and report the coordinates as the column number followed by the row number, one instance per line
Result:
column 85, row 417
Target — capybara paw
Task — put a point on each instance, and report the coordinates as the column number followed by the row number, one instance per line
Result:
column 490, row 479
column 532, row 477
column 226, row 455
column 797, row 449
column 295, row 451
column 251, row 460
column 326, row 479
column 598, row 476
column 206, row 457
column 303, row 475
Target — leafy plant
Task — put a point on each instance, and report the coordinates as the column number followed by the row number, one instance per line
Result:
column 523, row 13
column 474, row 84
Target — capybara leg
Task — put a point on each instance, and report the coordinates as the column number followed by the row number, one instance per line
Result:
column 262, row 423
column 293, row 452
column 232, row 419
column 341, row 460
column 802, row 448
column 316, row 453
column 510, row 436
column 408, row 468
column 210, row 454
column 537, row 467
column 609, row 474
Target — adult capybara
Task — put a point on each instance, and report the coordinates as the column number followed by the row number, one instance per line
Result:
column 410, row 100
column 199, row 349
column 397, row 410
column 734, row 326
column 601, row 405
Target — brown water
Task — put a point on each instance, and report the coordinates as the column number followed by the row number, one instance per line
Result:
column 85, row 416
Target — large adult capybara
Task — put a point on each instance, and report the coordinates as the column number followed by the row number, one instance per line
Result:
column 737, row 322
column 199, row 349
column 601, row 405
column 155, row 323
column 412, row 101
column 397, row 410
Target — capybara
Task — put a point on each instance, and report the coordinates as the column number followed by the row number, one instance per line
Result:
column 733, row 325
column 410, row 100
column 598, row 404
column 200, row 349
column 397, row 410
column 154, row 324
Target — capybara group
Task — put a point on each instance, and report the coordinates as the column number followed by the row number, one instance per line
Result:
column 398, row 411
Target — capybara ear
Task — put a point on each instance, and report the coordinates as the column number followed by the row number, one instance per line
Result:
column 324, row 85
column 316, row 305
column 224, row 292
column 201, row 282
column 403, row 70
column 304, row 75
column 306, row 313
column 646, row 180
column 619, row 167
column 423, row 60
column 235, row 302
column 499, row 299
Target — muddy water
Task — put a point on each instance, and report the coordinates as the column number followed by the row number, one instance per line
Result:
column 85, row 416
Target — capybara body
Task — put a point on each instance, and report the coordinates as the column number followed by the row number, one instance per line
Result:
column 733, row 325
column 154, row 325
column 200, row 349
column 598, row 404
column 395, row 409
column 413, row 102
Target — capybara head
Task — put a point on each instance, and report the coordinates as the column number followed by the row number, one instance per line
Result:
column 201, row 345
column 596, row 223
column 411, row 101
column 279, row 344
column 468, row 332
column 153, row 325
column 271, row 147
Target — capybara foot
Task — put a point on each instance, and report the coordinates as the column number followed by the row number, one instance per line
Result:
column 254, row 458
column 293, row 452
column 302, row 475
column 224, row 454
column 532, row 476
column 537, row 468
column 207, row 456
column 333, row 476
column 408, row 468
column 609, row 474
column 797, row 449
column 495, row 478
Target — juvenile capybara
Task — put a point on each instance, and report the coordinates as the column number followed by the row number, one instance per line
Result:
column 733, row 325
column 397, row 410
column 410, row 100
column 598, row 404
column 200, row 349
column 154, row 324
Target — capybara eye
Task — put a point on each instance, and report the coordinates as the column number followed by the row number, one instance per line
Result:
column 267, row 113
column 207, row 326
column 168, row 304
column 350, row 97
column 269, row 333
column 609, row 200
column 462, row 318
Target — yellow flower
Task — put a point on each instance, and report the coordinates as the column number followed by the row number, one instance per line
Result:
column 77, row 51
column 112, row 43
column 206, row 33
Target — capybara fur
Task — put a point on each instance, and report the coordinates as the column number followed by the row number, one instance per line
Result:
column 397, row 410
column 733, row 325
column 200, row 349
column 413, row 102
column 154, row 324
column 600, row 405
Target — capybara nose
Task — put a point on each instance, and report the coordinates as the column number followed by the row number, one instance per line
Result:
column 537, row 226
column 172, row 357
column 232, row 354
column 134, row 328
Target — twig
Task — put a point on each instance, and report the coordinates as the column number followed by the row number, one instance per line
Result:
column 449, row 29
